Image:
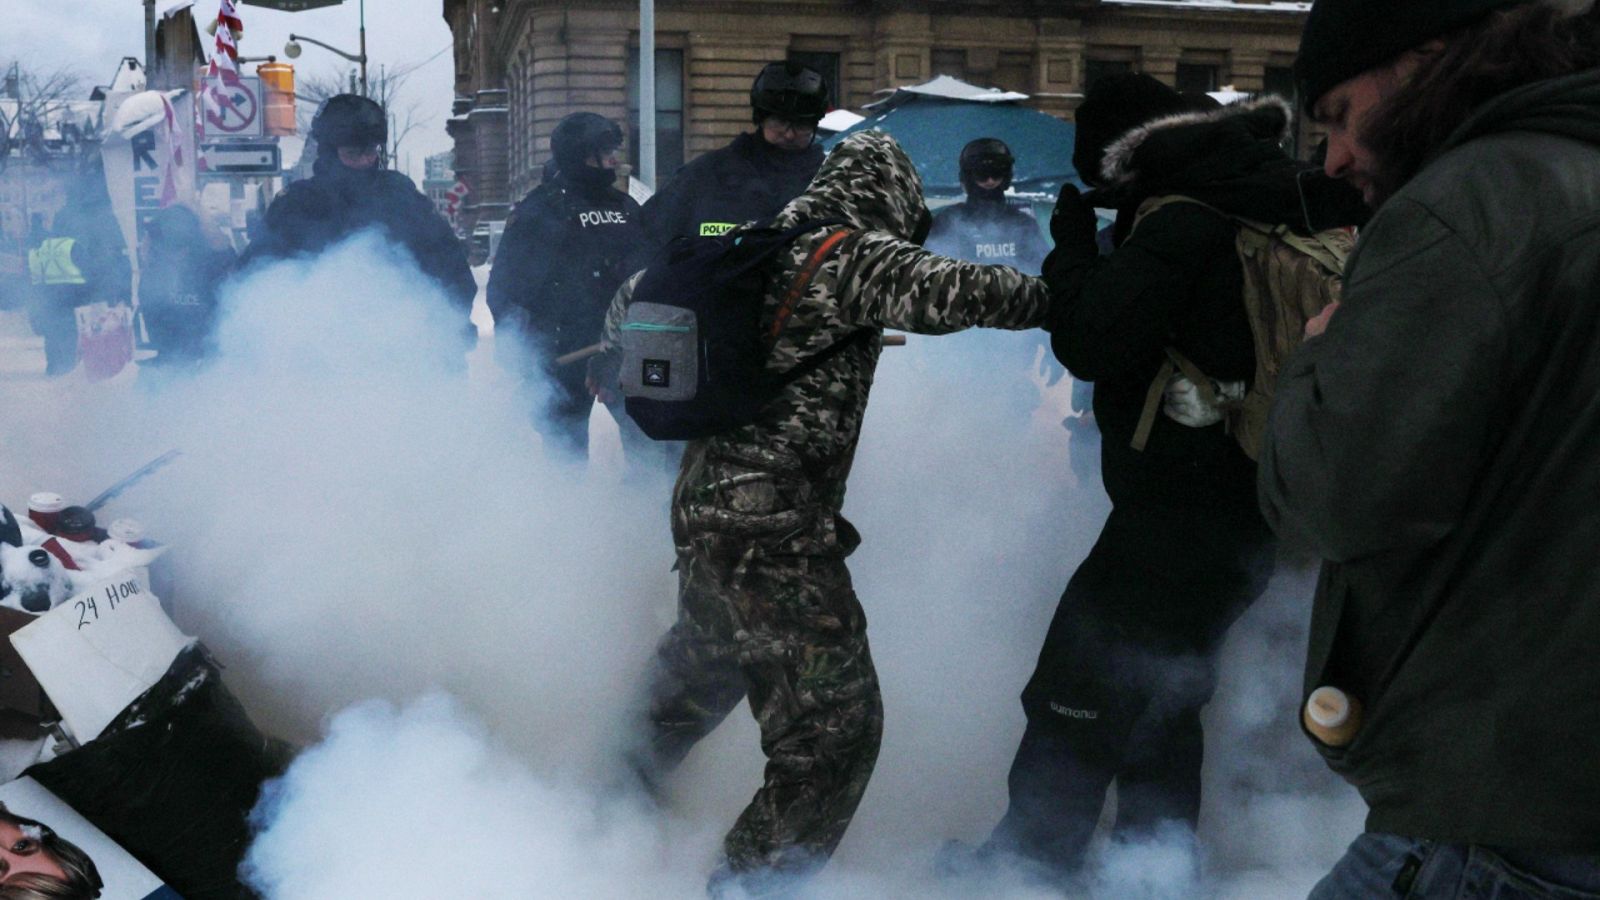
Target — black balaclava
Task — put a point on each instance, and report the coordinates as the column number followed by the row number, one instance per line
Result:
column 578, row 137
column 986, row 157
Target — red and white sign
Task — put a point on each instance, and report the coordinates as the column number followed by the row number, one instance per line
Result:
column 232, row 108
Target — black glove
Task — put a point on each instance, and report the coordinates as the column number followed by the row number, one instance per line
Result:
column 1073, row 224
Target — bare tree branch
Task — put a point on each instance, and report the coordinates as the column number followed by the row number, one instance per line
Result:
column 31, row 103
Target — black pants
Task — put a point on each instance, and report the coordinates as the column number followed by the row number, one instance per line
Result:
column 1127, row 665
column 56, row 320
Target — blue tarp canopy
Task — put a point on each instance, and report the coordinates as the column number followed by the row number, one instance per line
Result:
column 934, row 129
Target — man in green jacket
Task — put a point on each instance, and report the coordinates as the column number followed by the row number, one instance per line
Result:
column 1436, row 441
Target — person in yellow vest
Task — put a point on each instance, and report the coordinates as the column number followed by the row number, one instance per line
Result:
column 79, row 260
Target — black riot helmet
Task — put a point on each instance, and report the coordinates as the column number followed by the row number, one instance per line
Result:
column 580, row 136
column 349, row 120
column 986, row 158
column 789, row 90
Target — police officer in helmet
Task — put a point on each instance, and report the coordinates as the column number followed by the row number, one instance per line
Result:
column 349, row 191
column 567, row 247
column 985, row 228
column 756, row 174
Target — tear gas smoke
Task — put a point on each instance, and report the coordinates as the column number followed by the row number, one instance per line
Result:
column 358, row 524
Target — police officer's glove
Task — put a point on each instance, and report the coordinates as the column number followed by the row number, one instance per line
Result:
column 1073, row 224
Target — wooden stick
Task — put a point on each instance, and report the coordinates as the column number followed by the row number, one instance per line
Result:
column 567, row 359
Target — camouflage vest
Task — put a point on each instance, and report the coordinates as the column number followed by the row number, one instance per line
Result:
column 1288, row 279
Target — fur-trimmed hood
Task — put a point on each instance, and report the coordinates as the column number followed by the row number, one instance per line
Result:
column 1267, row 119
column 1231, row 158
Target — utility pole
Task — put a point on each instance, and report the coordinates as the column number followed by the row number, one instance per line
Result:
column 149, row 37
column 364, row 48
column 647, row 93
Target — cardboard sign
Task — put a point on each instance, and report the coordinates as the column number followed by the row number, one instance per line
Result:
column 99, row 651
column 124, row 877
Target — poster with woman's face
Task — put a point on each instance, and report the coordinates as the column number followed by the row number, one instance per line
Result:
column 49, row 851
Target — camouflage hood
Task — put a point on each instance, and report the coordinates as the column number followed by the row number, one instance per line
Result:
column 869, row 182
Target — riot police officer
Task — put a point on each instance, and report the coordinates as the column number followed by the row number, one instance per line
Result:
column 349, row 191
column 985, row 228
column 567, row 247
column 756, row 174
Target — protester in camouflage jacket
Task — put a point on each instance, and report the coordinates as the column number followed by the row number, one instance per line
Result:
column 766, row 607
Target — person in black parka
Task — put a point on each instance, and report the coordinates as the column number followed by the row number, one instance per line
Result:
column 985, row 228
column 758, row 172
column 1130, row 657
column 566, row 249
column 348, row 192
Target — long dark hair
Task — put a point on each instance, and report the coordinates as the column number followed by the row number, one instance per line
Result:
column 1510, row 48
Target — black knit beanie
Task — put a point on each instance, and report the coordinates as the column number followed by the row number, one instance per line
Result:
column 1344, row 38
column 1113, row 106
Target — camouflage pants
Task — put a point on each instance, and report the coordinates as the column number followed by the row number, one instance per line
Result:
column 766, row 610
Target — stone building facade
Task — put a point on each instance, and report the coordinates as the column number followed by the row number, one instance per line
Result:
column 521, row 65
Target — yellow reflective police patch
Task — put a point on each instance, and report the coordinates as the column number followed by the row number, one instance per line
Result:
column 713, row 229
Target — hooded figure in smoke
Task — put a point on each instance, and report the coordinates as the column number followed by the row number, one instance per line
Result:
column 985, row 228
column 567, row 248
column 766, row 608
column 349, row 191
column 1130, row 657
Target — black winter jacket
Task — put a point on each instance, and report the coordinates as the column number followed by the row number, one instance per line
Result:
column 565, row 251
column 989, row 232
column 747, row 180
column 1440, row 446
column 337, row 202
column 1177, row 281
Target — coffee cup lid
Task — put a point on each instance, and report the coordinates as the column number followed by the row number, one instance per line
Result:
column 46, row 502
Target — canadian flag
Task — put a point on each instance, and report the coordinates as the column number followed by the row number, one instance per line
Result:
column 456, row 195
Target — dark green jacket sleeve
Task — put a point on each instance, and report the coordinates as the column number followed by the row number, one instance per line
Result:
column 1380, row 425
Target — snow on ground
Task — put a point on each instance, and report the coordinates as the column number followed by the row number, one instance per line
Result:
column 396, row 575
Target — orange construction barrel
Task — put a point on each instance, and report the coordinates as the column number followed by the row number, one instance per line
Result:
column 277, row 88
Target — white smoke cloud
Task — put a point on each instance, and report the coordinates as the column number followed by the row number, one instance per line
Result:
column 358, row 525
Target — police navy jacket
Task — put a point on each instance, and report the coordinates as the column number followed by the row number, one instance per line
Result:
column 989, row 232
column 565, row 251
column 336, row 202
column 748, row 179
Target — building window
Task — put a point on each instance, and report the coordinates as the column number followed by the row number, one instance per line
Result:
column 949, row 62
column 1196, row 78
column 825, row 63
column 669, row 111
column 1015, row 72
column 1279, row 80
column 1096, row 69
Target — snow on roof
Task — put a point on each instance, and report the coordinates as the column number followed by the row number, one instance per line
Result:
column 839, row 120
column 1277, row 6
column 955, row 89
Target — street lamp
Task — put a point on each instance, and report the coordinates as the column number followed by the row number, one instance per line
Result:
column 292, row 49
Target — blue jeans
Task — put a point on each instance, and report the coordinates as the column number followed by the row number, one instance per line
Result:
column 1387, row 865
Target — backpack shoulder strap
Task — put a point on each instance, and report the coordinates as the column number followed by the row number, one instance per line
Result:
column 802, row 281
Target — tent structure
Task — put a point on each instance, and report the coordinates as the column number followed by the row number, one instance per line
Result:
column 934, row 120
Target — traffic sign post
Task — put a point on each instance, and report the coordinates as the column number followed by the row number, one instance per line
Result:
column 243, row 158
column 233, row 111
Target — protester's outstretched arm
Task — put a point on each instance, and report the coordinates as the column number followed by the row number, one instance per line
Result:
column 888, row 282
column 1381, row 424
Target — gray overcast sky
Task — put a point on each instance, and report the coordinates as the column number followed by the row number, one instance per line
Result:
column 90, row 36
